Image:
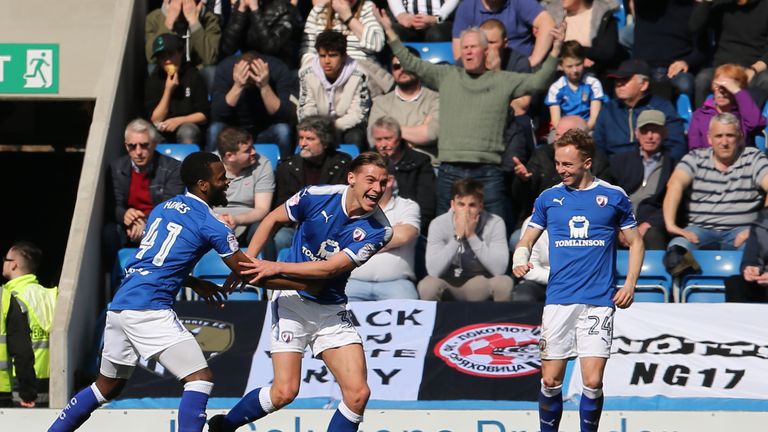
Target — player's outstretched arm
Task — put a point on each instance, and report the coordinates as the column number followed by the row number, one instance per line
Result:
column 521, row 263
column 242, row 274
column 207, row 290
column 330, row 268
column 626, row 295
column 267, row 228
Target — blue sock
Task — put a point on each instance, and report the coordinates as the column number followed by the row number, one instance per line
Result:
column 590, row 408
column 248, row 409
column 192, row 406
column 77, row 411
column 344, row 420
column 550, row 411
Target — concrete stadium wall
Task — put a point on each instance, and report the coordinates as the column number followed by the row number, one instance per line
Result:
column 101, row 56
column 84, row 30
column 411, row 421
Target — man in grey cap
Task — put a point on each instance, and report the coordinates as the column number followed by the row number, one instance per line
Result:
column 643, row 174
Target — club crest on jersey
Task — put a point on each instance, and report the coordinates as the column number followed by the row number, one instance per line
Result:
column 358, row 234
column 234, row 246
column 601, row 200
column 366, row 252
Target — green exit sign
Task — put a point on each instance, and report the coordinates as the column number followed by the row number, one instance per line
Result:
column 29, row 68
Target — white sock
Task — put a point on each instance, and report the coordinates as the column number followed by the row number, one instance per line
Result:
column 592, row 393
column 551, row 391
column 351, row 416
column 99, row 397
column 199, row 386
column 265, row 400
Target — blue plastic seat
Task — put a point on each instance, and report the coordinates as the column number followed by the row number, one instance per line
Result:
column 762, row 137
column 654, row 284
column 684, row 110
column 177, row 151
column 709, row 286
column 269, row 151
column 212, row 268
column 434, row 52
column 349, row 149
column 621, row 15
column 121, row 264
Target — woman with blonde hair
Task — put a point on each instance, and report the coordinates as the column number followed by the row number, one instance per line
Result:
column 729, row 94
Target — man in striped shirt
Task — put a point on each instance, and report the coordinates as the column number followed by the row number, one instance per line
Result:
column 728, row 184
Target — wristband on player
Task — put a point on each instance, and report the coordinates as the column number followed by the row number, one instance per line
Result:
column 521, row 257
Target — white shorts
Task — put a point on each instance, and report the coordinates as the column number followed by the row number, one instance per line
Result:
column 129, row 334
column 298, row 322
column 576, row 330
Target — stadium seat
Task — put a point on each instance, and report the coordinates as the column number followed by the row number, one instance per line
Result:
column 212, row 268
column 349, row 149
column 654, row 284
column 621, row 15
column 269, row 151
column 282, row 256
column 762, row 137
column 684, row 110
column 177, row 151
column 709, row 286
column 121, row 263
column 434, row 52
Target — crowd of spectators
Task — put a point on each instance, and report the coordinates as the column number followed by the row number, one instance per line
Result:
column 470, row 142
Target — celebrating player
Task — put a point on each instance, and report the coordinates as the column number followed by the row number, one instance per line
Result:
column 340, row 227
column 140, row 321
column 583, row 216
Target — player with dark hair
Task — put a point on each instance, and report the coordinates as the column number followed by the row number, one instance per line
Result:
column 140, row 320
column 340, row 228
column 582, row 216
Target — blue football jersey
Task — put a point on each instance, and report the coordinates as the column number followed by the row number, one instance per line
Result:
column 325, row 229
column 178, row 233
column 582, row 227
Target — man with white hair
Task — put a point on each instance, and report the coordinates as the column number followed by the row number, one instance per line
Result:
column 728, row 183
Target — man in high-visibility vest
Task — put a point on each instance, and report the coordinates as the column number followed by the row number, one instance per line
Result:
column 36, row 302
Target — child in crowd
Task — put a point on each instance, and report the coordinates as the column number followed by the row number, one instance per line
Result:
column 575, row 93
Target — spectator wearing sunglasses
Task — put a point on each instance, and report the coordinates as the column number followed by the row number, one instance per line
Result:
column 137, row 181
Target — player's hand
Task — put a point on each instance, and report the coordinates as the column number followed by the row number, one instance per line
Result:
column 25, row 404
column 522, row 270
column 520, row 170
column 624, row 297
column 741, row 237
column 213, row 294
column 233, row 283
column 260, row 269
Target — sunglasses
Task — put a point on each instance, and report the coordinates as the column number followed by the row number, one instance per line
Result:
column 396, row 66
column 132, row 146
